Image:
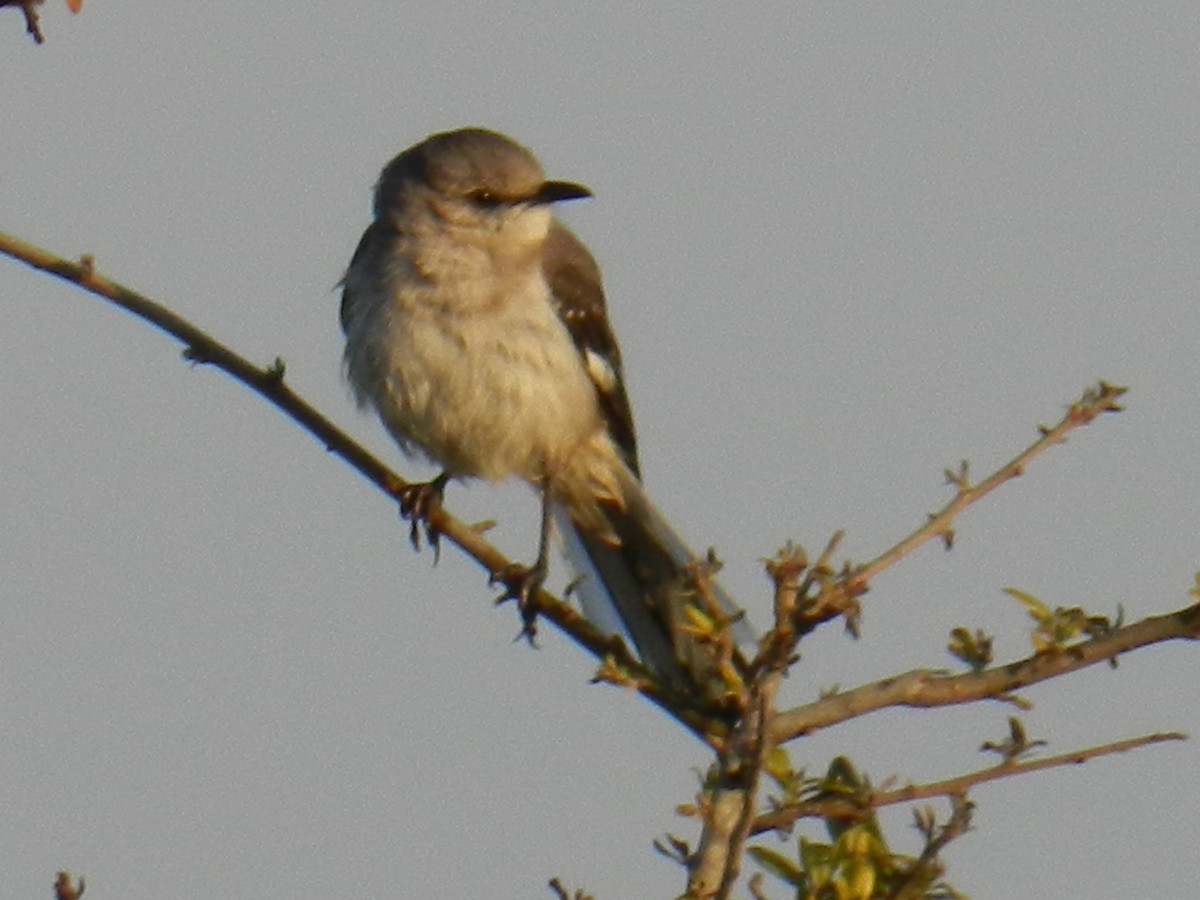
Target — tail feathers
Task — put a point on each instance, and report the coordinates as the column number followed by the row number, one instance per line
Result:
column 638, row 584
column 642, row 507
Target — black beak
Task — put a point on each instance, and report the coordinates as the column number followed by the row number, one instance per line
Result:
column 554, row 191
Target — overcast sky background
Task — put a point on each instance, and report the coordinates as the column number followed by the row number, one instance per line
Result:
column 845, row 246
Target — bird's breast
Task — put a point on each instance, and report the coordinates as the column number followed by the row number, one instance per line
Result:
column 481, row 376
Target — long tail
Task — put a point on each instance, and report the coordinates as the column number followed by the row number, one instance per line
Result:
column 638, row 584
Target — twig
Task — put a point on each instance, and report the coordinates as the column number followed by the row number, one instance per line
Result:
column 927, row 867
column 838, row 808
column 839, row 597
column 729, row 810
column 925, row 688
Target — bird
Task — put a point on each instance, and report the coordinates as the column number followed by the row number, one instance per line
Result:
column 476, row 328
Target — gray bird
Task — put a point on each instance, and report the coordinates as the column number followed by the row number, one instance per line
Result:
column 476, row 328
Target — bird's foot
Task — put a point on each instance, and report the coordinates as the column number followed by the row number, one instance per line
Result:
column 521, row 583
column 417, row 503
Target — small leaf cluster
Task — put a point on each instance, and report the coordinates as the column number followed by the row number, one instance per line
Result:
column 1058, row 628
column 855, row 863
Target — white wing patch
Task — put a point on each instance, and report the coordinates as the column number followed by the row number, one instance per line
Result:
column 600, row 370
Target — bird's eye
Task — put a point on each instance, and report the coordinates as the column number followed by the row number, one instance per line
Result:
column 484, row 198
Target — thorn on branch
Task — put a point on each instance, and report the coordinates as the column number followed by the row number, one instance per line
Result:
column 1015, row 700
column 960, row 479
column 852, row 613
column 676, row 849
column 276, row 370
column 196, row 355
column 945, row 531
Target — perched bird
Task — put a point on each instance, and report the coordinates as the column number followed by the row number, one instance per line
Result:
column 476, row 328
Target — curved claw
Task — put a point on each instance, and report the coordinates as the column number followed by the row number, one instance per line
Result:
column 417, row 502
column 521, row 583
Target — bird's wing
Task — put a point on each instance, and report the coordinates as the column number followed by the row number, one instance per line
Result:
column 574, row 280
column 371, row 243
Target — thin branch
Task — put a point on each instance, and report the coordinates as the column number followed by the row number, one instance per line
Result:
column 839, row 597
column 840, row 808
column 729, row 812
column 618, row 663
column 925, row 688
column 927, row 867
column 729, row 809
column 777, row 648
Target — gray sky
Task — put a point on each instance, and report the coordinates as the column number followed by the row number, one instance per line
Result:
column 845, row 246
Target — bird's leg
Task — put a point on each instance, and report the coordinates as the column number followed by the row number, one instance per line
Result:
column 417, row 501
column 522, row 582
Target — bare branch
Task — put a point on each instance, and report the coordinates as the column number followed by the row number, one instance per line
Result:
column 268, row 382
column 839, row 597
column 926, row 867
column 839, row 808
column 925, row 687
column 729, row 807
column 777, row 648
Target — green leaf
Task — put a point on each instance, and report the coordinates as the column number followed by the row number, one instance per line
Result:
column 1036, row 608
column 973, row 649
column 778, row 865
column 778, row 764
column 814, row 854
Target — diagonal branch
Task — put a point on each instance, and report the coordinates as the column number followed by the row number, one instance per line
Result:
column 843, row 808
column 838, row 597
column 926, row 688
column 619, row 664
